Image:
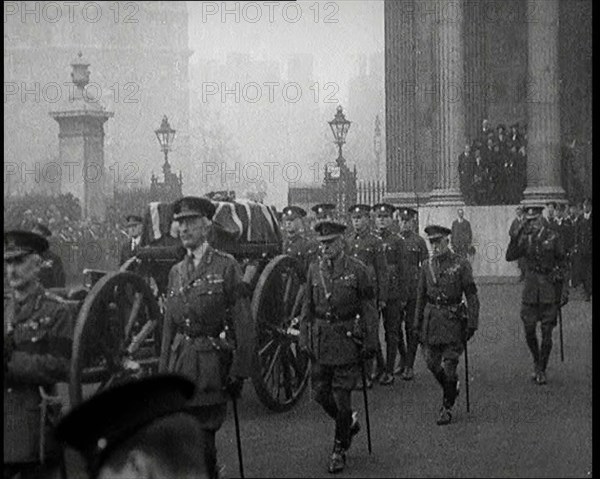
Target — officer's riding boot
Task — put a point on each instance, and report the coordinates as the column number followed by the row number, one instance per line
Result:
column 546, row 348
column 441, row 377
column 387, row 377
column 451, row 390
column 337, row 461
column 534, row 347
column 378, row 365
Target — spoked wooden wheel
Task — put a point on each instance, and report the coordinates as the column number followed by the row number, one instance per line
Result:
column 117, row 334
column 280, row 371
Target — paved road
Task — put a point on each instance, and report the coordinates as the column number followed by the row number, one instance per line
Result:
column 515, row 429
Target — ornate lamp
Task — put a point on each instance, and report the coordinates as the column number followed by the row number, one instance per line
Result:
column 339, row 127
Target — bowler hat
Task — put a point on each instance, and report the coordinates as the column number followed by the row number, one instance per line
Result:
column 133, row 220
column 21, row 243
column 190, row 206
column 97, row 426
column 435, row 232
column 328, row 230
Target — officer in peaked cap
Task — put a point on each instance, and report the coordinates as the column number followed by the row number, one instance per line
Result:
column 441, row 320
column 362, row 244
column 52, row 274
column 295, row 243
column 121, row 432
column 545, row 289
column 324, row 211
column 395, row 254
column 416, row 254
column 38, row 328
column 339, row 309
column 133, row 224
column 208, row 334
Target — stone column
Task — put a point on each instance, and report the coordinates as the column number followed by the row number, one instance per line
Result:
column 476, row 88
column 400, row 89
column 450, row 98
column 543, row 115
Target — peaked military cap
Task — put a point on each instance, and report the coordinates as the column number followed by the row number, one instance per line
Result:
column 42, row 230
column 359, row 209
column 133, row 220
column 97, row 426
column 322, row 208
column 328, row 230
column 435, row 232
column 408, row 213
column 21, row 243
column 190, row 206
column 534, row 211
column 384, row 208
column 293, row 212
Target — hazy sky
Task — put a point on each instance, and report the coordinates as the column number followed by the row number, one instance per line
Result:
column 274, row 35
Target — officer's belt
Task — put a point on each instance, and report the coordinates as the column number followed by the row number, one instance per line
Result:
column 345, row 321
column 447, row 302
column 188, row 333
column 541, row 269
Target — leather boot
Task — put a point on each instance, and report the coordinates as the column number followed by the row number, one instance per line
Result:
column 337, row 460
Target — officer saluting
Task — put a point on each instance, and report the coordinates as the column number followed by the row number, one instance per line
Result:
column 440, row 318
column 542, row 248
column 363, row 245
column 395, row 254
column 208, row 333
column 37, row 348
column 296, row 244
column 416, row 254
column 339, row 323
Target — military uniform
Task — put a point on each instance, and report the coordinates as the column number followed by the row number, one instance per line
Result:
column 52, row 274
column 395, row 255
column 208, row 333
column 416, row 255
column 38, row 335
column 339, row 319
column 584, row 250
column 441, row 322
column 299, row 247
column 544, row 285
column 131, row 247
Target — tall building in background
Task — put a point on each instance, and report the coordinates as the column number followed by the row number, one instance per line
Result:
column 139, row 69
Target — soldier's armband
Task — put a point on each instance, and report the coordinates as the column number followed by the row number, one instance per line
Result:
column 470, row 289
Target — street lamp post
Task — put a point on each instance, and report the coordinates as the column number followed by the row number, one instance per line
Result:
column 338, row 179
column 339, row 127
column 165, row 135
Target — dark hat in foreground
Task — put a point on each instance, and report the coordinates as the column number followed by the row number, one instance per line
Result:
column 384, row 209
column 98, row 425
column 21, row 243
column 323, row 208
column 435, row 232
column 533, row 211
column 359, row 210
column 42, row 230
column 408, row 213
column 133, row 220
column 328, row 230
column 191, row 206
column 293, row 212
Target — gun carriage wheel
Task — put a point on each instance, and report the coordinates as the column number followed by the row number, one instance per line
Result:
column 117, row 334
column 281, row 370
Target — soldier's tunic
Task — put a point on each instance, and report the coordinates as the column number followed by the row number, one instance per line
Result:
column 339, row 304
column 416, row 255
column 438, row 319
column 395, row 255
column 368, row 248
column 584, row 250
column 208, row 332
column 52, row 273
column 302, row 249
column 544, row 285
column 37, row 347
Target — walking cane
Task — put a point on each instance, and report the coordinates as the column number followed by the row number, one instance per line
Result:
column 365, row 397
column 467, row 377
column 560, row 331
column 237, row 436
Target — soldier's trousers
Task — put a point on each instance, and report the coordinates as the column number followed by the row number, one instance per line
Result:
column 586, row 274
column 546, row 315
column 442, row 361
column 407, row 342
column 212, row 418
column 333, row 386
column 391, row 325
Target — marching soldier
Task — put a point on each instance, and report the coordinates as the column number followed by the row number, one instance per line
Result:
column 52, row 274
column 38, row 332
column 416, row 254
column 442, row 321
column 339, row 324
column 134, row 232
column 395, row 254
column 207, row 333
column 542, row 248
column 363, row 245
column 295, row 243
column 584, row 246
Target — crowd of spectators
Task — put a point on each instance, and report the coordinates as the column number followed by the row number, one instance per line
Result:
column 493, row 166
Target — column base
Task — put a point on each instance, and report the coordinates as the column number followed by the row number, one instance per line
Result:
column 540, row 195
column 450, row 197
column 402, row 198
